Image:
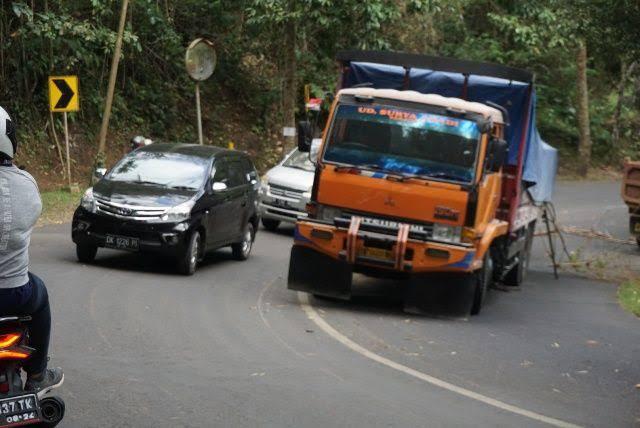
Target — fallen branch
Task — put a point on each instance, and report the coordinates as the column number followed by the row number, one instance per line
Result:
column 590, row 233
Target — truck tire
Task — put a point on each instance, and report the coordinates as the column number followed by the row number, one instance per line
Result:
column 483, row 279
column 516, row 276
column 270, row 224
column 86, row 253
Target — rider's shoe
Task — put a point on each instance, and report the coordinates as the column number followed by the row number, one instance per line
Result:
column 51, row 379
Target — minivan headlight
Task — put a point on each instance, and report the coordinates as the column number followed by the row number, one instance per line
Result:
column 88, row 202
column 179, row 212
column 446, row 233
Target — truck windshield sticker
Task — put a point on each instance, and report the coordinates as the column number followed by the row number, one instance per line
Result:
column 404, row 141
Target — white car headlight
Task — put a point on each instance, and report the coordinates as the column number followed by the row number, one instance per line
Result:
column 88, row 202
column 264, row 188
column 179, row 212
column 446, row 233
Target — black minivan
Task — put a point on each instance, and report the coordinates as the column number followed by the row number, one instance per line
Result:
column 173, row 199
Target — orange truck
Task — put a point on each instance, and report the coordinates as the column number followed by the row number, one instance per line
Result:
column 415, row 183
column 631, row 195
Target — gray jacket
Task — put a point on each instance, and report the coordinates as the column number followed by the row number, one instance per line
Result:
column 20, row 207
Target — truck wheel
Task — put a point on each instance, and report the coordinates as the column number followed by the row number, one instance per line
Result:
column 518, row 273
column 241, row 250
column 86, row 253
column 270, row 224
column 188, row 260
column 483, row 279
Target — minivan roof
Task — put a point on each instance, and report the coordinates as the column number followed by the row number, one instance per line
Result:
column 196, row 150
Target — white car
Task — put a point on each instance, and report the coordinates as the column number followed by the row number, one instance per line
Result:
column 286, row 190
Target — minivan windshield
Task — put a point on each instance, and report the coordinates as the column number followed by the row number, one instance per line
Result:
column 172, row 170
column 404, row 141
column 299, row 160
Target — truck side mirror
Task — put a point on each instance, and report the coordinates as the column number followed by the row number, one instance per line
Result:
column 497, row 154
column 316, row 143
column 304, row 135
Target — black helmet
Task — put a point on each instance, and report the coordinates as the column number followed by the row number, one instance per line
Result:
column 8, row 140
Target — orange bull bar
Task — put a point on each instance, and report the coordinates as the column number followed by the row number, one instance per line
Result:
column 352, row 244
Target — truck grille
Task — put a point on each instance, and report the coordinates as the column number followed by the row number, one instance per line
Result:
column 130, row 212
column 388, row 227
column 286, row 192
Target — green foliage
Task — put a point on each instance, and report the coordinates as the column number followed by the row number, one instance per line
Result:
column 243, row 99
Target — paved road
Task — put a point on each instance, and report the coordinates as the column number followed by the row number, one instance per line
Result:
column 231, row 346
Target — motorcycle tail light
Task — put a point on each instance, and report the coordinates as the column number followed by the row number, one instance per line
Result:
column 11, row 354
column 8, row 340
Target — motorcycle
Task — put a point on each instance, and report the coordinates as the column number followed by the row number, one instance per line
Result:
column 19, row 407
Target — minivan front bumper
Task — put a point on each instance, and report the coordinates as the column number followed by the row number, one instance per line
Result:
column 166, row 238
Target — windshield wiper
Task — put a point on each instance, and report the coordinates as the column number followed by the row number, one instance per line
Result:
column 374, row 167
column 446, row 176
column 181, row 187
column 153, row 183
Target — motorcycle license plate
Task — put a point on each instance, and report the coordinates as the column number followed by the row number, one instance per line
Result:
column 377, row 253
column 122, row 242
column 21, row 410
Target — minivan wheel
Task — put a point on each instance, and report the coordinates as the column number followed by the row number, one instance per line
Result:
column 270, row 224
column 86, row 253
column 188, row 261
column 242, row 250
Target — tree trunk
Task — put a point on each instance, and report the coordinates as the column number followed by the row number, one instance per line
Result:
column 584, row 145
column 625, row 72
column 290, row 87
column 112, row 85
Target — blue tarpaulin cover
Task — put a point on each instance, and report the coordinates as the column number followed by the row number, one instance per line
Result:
column 540, row 160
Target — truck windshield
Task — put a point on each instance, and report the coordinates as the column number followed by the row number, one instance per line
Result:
column 403, row 141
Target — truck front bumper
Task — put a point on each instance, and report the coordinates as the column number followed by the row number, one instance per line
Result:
column 364, row 250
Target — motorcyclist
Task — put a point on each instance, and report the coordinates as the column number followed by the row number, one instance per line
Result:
column 21, row 292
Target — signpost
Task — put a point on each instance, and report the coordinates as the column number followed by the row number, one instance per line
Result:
column 64, row 97
column 200, row 61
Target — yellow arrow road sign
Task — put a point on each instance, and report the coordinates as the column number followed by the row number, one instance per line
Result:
column 63, row 93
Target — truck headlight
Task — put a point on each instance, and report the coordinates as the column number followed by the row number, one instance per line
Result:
column 446, row 233
column 88, row 202
column 326, row 213
column 306, row 195
column 178, row 213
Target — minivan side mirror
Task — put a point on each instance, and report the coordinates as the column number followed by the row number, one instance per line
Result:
column 99, row 173
column 497, row 154
column 304, row 135
column 219, row 186
column 316, row 143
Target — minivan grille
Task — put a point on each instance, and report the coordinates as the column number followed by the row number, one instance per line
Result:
column 131, row 212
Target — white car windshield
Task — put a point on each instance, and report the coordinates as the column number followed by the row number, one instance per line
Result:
column 299, row 160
